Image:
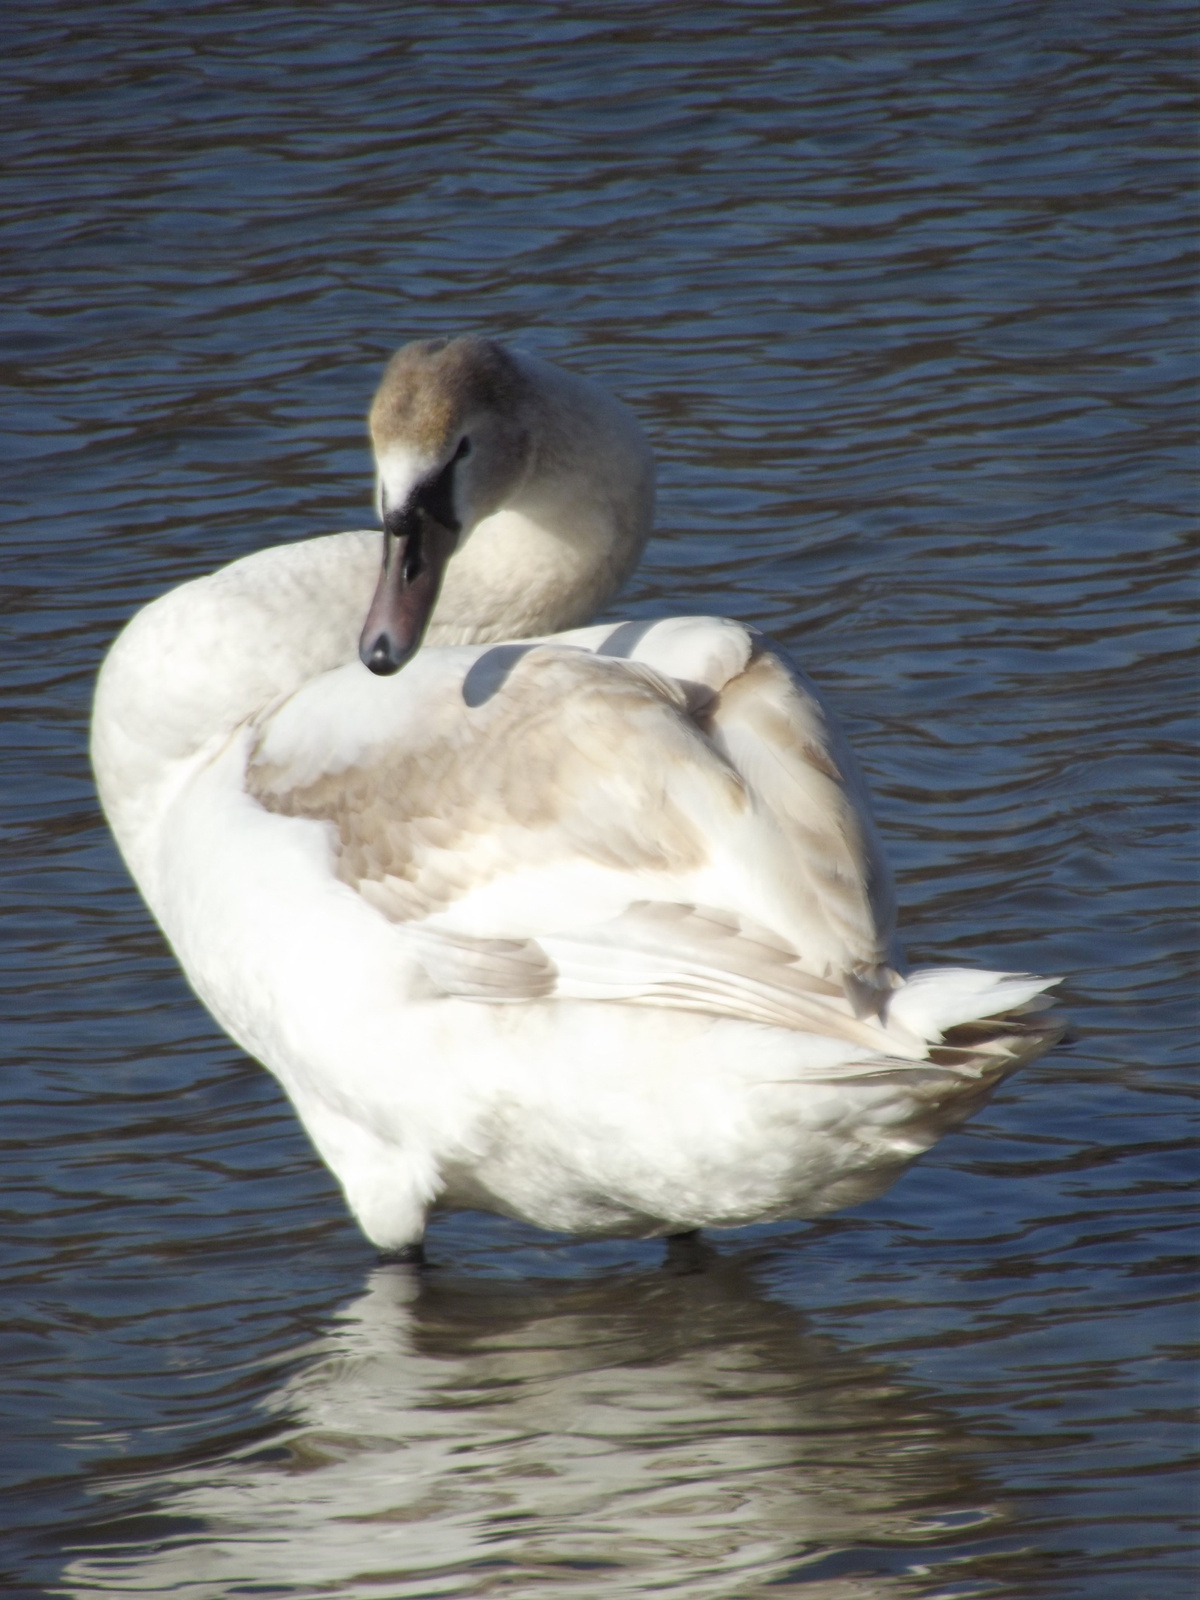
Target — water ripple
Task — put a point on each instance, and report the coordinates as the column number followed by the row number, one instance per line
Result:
column 901, row 293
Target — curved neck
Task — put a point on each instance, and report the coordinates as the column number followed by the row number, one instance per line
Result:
column 568, row 534
column 202, row 660
column 197, row 663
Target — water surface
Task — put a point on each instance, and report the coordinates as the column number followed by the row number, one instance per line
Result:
column 900, row 292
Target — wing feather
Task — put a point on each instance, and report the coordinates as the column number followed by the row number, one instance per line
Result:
column 675, row 825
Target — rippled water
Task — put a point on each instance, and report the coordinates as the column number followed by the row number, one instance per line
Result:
column 900, row 292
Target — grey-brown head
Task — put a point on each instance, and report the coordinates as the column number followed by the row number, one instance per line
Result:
column 449, row 425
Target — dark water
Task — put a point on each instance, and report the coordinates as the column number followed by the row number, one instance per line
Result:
column 900, row 291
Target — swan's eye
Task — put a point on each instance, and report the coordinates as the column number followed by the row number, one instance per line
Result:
column 464, row 448
column 436, row 495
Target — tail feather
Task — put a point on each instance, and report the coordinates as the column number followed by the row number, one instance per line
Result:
column 935, row 1000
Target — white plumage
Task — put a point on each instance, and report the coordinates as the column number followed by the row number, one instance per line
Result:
column 589, row 927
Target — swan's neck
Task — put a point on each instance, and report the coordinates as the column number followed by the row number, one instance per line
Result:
column 197, row 663
column 521, row 574
column 570, row 532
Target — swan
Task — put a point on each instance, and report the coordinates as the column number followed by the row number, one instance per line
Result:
column 585, row 924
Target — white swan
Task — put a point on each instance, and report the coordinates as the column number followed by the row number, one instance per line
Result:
column 592, row 930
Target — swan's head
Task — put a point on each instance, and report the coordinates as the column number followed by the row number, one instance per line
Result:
column 451, row 446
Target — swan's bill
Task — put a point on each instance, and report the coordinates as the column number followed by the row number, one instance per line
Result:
column 416, row 548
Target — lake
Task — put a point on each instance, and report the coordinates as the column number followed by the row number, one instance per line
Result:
column 901, row 292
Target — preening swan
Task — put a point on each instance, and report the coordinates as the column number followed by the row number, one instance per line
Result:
column 591, row 928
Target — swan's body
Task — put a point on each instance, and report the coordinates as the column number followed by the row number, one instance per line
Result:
column 592, row 930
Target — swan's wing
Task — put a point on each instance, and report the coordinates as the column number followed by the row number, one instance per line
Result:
column 543, row 820
column 772, row 726
column 769, row 721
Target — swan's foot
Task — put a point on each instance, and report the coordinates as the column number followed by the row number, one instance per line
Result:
column 686, row 1252
column 408, row 1255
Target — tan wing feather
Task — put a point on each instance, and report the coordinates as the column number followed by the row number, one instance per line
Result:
column 570, row 761
column 583, row 758
column 771, row 726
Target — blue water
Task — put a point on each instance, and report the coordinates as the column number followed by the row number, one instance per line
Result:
column 901, row 293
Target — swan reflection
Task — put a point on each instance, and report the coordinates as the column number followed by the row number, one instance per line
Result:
column 598, row 1438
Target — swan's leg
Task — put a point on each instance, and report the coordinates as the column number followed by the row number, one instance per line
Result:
column 408, row 1255
column 388, row 1188
column 686, row 1252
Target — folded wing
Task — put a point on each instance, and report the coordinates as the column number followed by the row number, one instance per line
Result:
column 674, row 821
